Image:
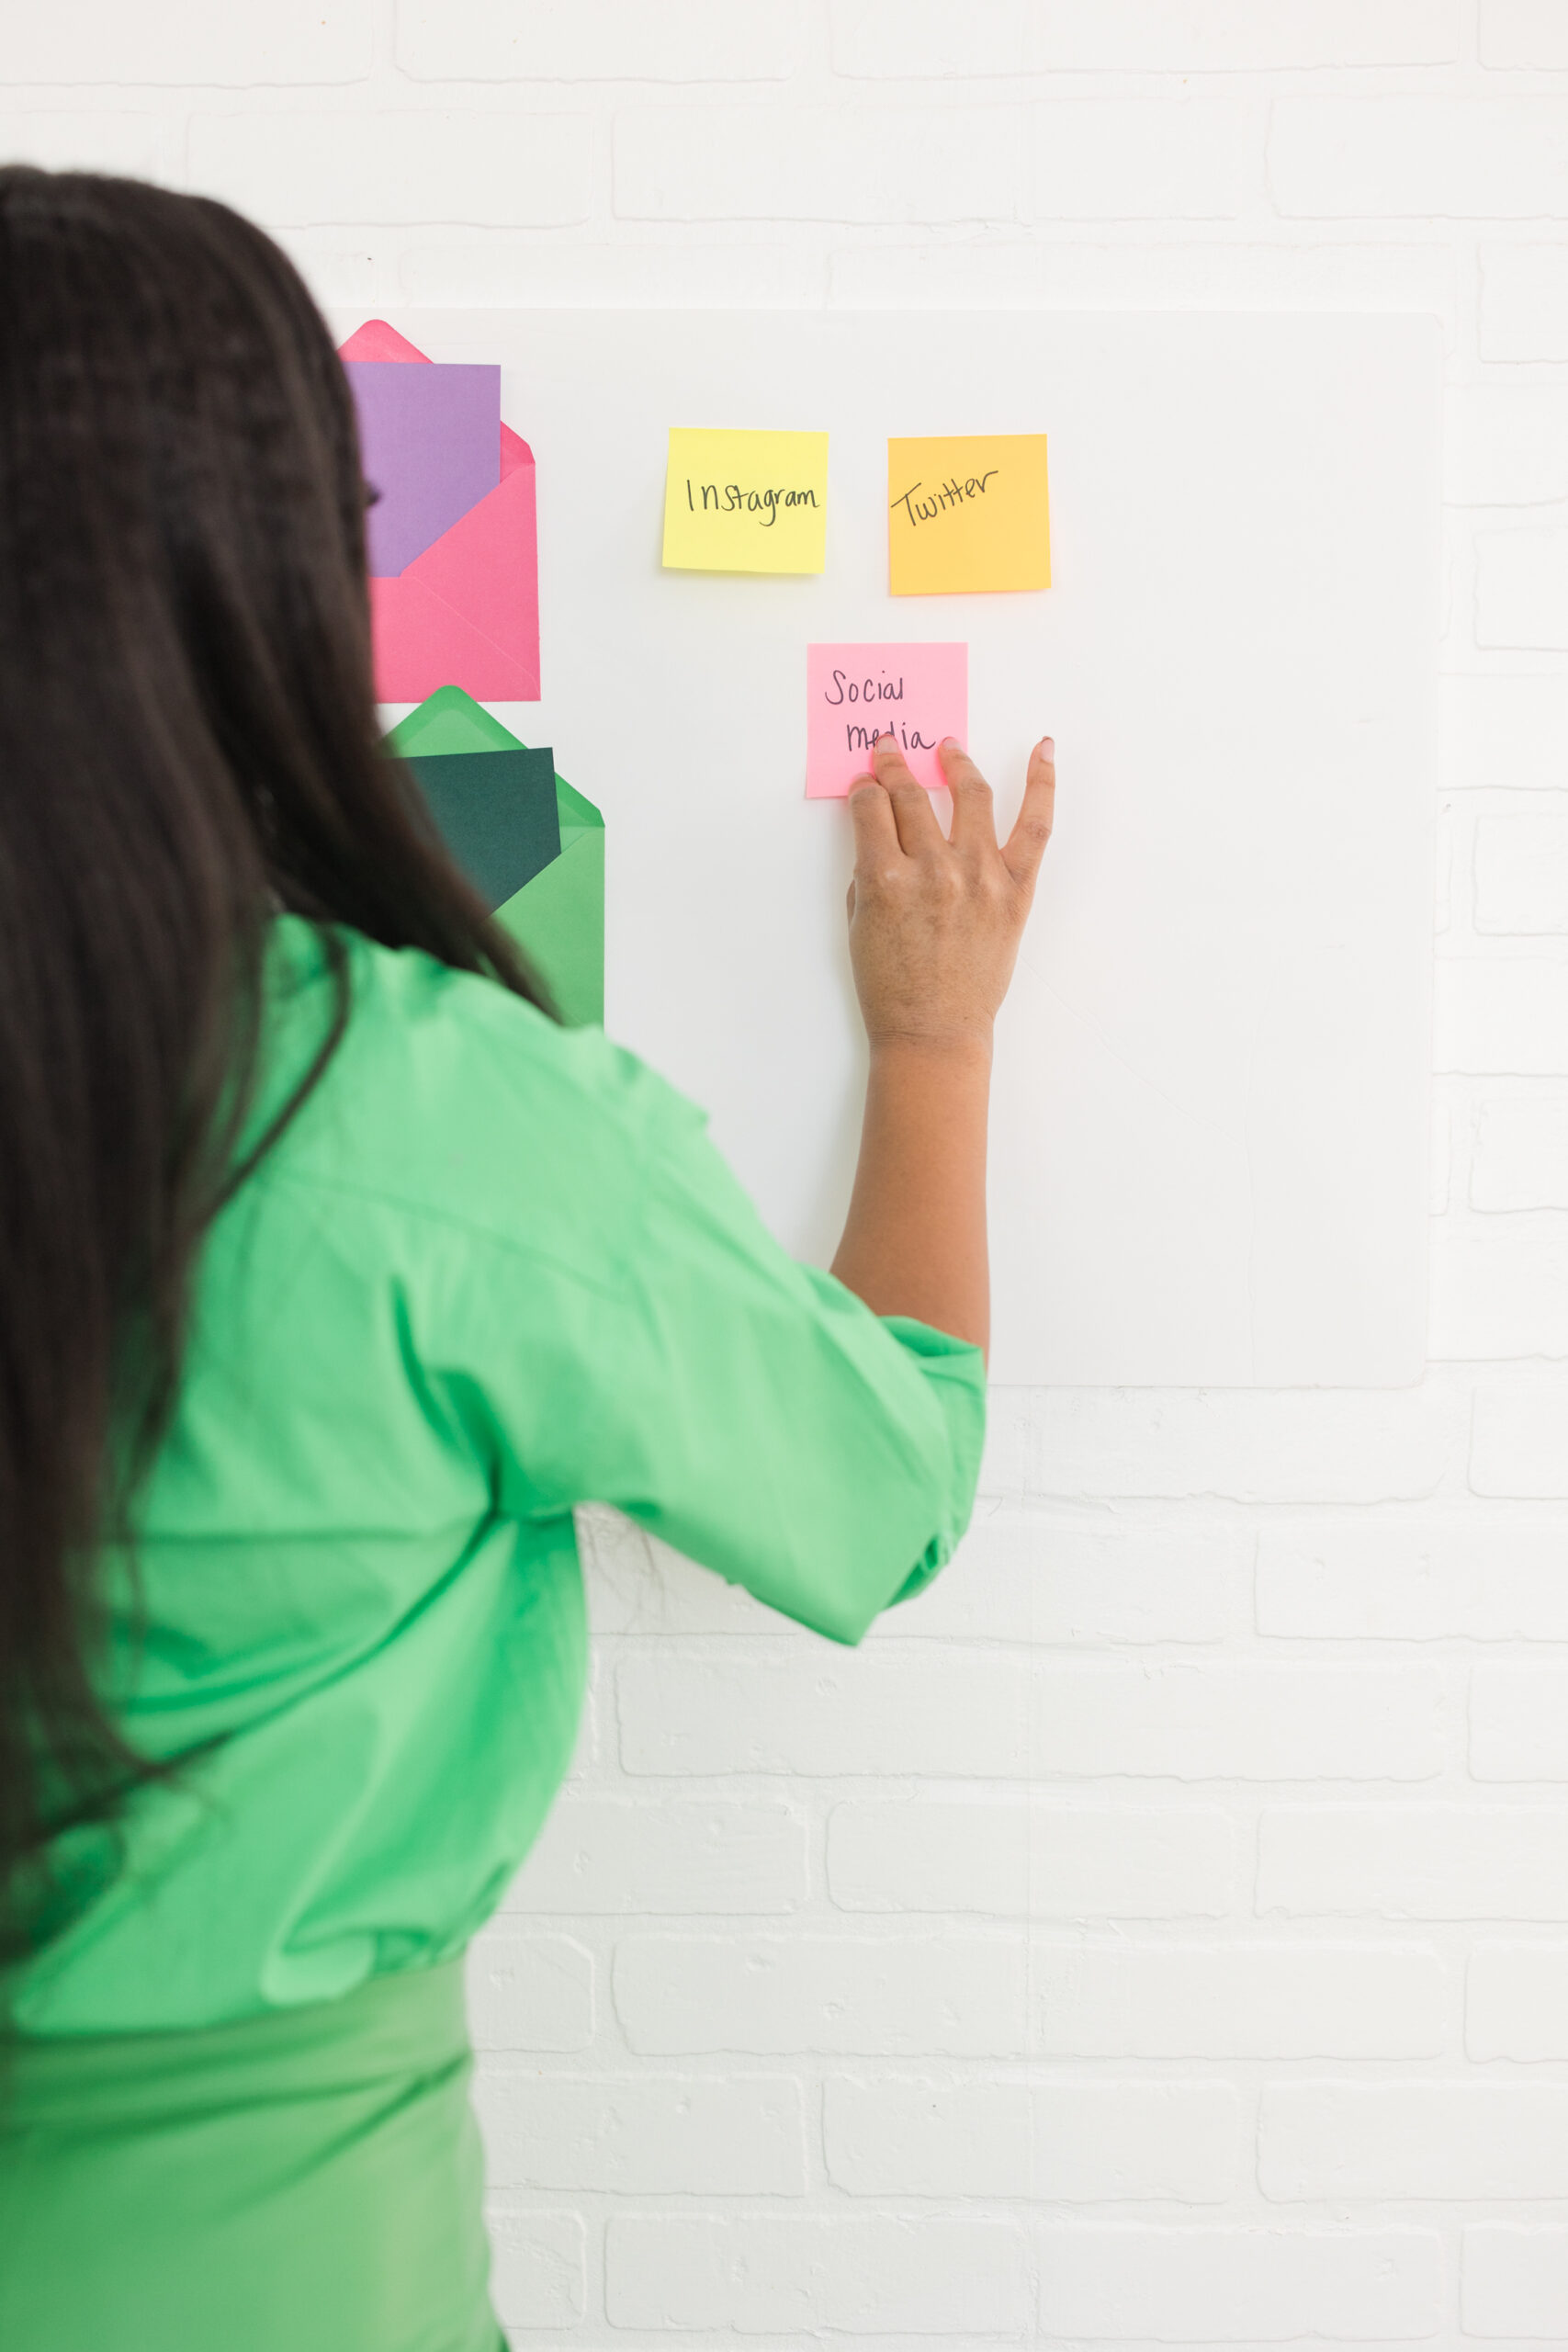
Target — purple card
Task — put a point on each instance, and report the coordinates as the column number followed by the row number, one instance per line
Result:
column 430, row 442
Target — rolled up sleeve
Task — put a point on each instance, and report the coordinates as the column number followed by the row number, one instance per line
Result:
column 748, row 1409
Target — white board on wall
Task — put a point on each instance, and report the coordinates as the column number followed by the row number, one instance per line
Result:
column 1209, row 1142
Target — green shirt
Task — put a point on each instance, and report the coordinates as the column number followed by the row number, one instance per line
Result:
column 493, row 1269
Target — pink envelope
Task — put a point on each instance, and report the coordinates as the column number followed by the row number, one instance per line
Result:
column 465, row 613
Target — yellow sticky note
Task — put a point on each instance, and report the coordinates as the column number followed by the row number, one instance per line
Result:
column 967, row 510
column 746, row 502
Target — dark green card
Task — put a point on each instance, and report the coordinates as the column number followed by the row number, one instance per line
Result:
column 496, row 812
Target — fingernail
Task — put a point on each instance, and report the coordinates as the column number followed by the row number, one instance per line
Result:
column 950, row 743
column 1047, row 746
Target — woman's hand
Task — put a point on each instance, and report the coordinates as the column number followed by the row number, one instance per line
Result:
column 935, row 921
column 934, row 927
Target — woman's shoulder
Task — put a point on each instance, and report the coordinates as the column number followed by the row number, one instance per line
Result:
column 452, row 1097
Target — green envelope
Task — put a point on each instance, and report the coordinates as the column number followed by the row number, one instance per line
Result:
column 558, row 919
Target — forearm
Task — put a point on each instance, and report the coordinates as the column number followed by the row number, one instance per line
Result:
column 914, row 1241
column 935, row 926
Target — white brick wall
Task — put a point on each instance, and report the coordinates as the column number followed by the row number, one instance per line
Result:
column 1516, row 2003
column 1523, row 32
column 186, row 42
column 895, row 1995
column 1521, row 587
column 1400, row 1861
column 1393, row 158
column 1160, row 1935
column 596, row 40
column 755, row 2274
column 1013, row 1857
column 1241, row 2287
column 487, row 169
column 1069, row 2142
column 759, row 163
column 1515, row 2283
column 1307, row 1999
column 1404, row 2142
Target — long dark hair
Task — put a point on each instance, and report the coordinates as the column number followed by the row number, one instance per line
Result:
column 188, row 742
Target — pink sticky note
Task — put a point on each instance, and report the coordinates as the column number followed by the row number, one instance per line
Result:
column 917, row 694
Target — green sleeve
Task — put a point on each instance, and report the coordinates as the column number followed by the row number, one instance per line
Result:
column 748, row 1409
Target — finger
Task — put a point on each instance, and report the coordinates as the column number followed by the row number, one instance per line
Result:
column 1026, row 843
column 876, row 832
column 973, row 826
column 919, row 831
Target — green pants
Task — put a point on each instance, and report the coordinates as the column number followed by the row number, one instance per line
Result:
column 302, row 2182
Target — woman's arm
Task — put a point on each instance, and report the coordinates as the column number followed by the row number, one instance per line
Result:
column 934, row 927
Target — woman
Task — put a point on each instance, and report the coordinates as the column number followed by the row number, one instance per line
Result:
column 336, row 1273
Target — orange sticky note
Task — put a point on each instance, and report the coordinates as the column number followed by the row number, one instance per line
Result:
column 967, row 512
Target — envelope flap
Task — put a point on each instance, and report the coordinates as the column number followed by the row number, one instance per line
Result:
column 377, row 339
column 577, row 815
column 450, row 721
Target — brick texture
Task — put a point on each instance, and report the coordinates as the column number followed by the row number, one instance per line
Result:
column 1421, row 2142
column 1434, row 1862
column 1490, row 159
column 1481, row 1579
column 857, row 2274
column 1524, row 302
column 459, row 164
column 1140, row 159
column 1516, row 2003
column 1522, row 33
column 1068, row 2142
column 760, row 163
column 1519, row 1440
column 1243, row 2286
column 1518, row 1157
column 877, row 38
column 1514, row 2283
column 596, row 40
column 538, row 2266
column 1032, row 1860
column 188, row 43
column 1239, row 2000
column 1521, row 589
column 616, row 1854
column 642, row 2136
column 962, row 1995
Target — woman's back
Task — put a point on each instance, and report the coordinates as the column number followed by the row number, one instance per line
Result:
column 491, row 1269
